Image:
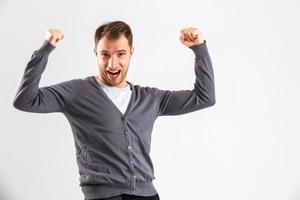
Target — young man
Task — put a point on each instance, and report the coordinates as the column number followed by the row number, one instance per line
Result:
column 111, row 118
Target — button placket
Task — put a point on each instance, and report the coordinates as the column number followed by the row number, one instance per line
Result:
column 130, row 156
column 133, row 183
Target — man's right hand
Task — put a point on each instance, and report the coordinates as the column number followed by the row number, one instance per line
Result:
column 54, row 36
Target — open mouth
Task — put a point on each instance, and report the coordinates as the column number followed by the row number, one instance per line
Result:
column 114, row 74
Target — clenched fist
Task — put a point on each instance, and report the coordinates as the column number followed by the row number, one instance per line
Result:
column 54, row 36
column 191, row 36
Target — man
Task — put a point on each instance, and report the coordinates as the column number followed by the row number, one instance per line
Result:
column 111, row 118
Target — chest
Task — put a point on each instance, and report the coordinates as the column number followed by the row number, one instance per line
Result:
column 97, row 110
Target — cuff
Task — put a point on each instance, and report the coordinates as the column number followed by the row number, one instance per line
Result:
column 200, row 50
column 46, row 48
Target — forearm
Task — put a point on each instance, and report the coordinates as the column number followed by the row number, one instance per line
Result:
column 204, row 85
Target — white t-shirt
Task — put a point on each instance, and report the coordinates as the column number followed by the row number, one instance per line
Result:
column 119, row 96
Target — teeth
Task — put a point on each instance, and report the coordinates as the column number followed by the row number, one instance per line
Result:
column 114, row 71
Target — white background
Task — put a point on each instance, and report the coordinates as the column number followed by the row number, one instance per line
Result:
column 245, row 147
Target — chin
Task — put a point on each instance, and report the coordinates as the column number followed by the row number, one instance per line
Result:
column 114, row 83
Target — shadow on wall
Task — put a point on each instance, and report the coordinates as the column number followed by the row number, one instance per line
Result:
column 4, row 192
column 3, row 196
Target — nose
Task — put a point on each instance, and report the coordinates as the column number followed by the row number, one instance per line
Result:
column 113, row 63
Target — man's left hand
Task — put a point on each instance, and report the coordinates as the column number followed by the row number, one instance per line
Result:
column 191, row 36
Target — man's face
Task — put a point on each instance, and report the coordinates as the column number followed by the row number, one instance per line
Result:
column 113, row 60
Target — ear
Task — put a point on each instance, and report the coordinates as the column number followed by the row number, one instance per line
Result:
column 95, row 51
column 132, row 50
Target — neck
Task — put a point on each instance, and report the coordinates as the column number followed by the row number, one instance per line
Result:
column 121, row 85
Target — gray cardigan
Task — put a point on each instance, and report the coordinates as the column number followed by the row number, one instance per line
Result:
column 112, row 149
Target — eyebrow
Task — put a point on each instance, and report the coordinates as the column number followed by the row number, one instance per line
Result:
column 118, row 51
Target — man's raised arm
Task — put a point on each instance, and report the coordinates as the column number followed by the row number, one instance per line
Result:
column 29, row 96
column 203, row 94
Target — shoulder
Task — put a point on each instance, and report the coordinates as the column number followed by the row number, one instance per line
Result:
column 148, row 90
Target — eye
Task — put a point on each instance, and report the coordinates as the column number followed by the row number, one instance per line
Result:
column 105, row 55
column 122, row 54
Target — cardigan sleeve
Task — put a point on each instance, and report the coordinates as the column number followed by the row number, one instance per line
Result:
column 32, row 98
column 201, row 96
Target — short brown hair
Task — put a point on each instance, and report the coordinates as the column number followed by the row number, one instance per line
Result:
column 113, row 30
